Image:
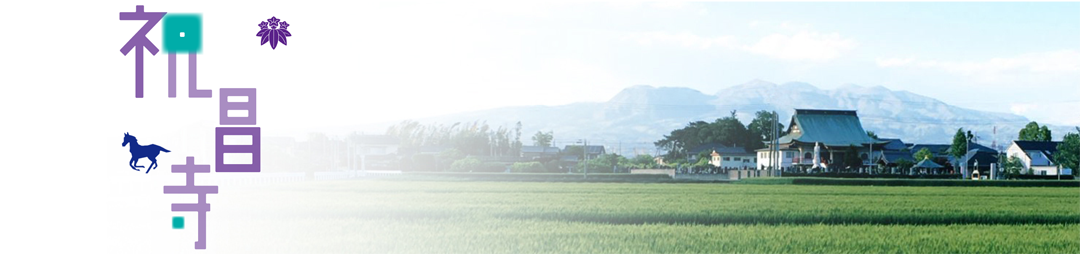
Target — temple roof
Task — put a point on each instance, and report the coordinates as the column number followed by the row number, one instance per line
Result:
column 829, row 127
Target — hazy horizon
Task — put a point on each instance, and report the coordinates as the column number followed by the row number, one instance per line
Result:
column 1018, row 58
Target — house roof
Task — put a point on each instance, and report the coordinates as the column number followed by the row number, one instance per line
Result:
column 588, row 149
column 893, row 156
column 976, row 146
column 539, row 149
column 894, row 144
column 984, row 158
column 939, row 149
column 732, row 151
column 706, row 148
column 719, row 148
column 925, row 163
column 829, row 127
column 1049, row 146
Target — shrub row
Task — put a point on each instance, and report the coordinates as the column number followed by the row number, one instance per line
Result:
column 539, row 177
column 933, row 182
column 864, row 175
column 1041, row 177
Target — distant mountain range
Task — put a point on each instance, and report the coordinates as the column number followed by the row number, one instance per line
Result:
column 640, row 115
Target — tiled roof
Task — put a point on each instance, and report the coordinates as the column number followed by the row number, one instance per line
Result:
column 1049, row 146
column 539, row 149
column 829, row 127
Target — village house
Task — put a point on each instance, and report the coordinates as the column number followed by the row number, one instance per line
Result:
column 732, row 157
column 1036, row 156
column 979, row 158
column 539, row 152
column 372, row 152
column 893, row 151
column 591, row 151
column 702, row 150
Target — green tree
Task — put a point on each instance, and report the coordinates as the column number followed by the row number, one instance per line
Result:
column 959, row 144
column 543, row 139
column 904, row 165
column 515, row 147
column 872, row 134
column 605, row 163
column 923, row 154
column 1068, row 152
column 1033, row 132
column 1012, row 166
column 446, row 158
column 761, row 128
column 1044, row 134
column 728, row 131
column 466, row 165
column 574, row 150
column 702, row 162
column 643, row 161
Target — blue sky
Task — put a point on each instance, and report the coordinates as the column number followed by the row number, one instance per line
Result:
column 1007, row 57
column 364, row 62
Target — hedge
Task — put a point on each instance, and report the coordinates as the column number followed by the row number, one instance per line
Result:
column 540, row 177
column 864, row 175
column 934, row 182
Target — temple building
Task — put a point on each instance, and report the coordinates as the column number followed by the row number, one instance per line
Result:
column 833, row 133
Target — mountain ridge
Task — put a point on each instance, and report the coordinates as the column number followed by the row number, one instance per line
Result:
column 641, row 114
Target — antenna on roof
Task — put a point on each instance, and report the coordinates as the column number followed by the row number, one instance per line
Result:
column 994, row 144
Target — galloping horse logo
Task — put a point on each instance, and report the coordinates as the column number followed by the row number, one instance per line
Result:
column 137, row 151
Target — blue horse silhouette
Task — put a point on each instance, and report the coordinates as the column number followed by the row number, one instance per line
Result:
column 150, row 152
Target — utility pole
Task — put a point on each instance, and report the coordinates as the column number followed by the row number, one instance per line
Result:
column 779, row 160
column 771, row 136
column 776, row 142
column 585, row 156
column 871, row 157
column 772, row 144
column 963, row 167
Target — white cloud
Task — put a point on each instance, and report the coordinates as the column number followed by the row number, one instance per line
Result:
column 1001, row 68
column 792, row 26
column 804, row 45
column 893, row 62
column 1061, row 113
column 683, row 39
column 668, row 5
column 1021, row 108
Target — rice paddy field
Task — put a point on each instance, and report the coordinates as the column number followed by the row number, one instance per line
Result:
column 386, row 216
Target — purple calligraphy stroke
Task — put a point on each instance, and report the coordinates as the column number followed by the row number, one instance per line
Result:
column 193, row 89
column 190, row 168
column 139, row 41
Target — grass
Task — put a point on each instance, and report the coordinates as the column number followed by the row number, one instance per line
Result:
column 536, row 217
column 906, row 182
column 533, row 177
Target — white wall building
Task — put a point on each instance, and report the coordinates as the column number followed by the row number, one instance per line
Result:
column 733, row 159
column 1036, row 156
column 788, row 157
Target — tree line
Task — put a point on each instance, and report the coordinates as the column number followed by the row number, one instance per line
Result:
column 469, row 138
column 728, row 131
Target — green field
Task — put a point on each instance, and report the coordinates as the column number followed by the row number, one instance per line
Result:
column 538, row 217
